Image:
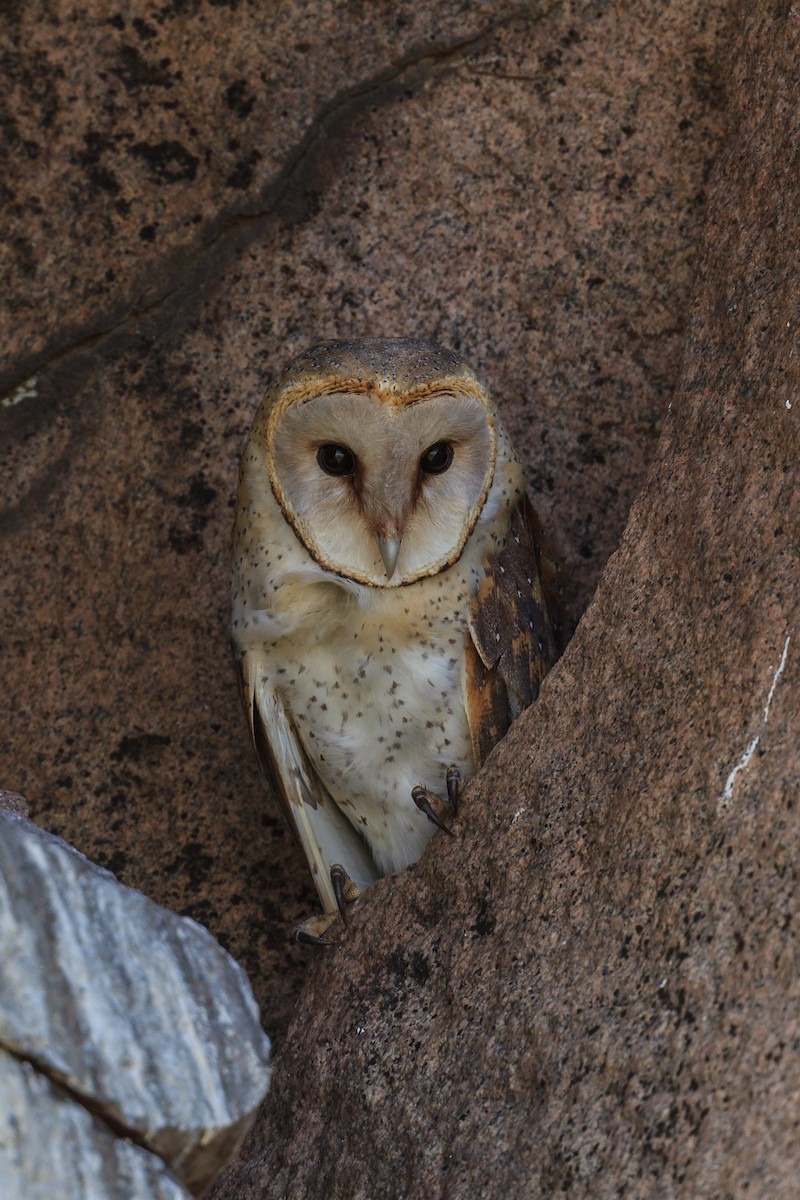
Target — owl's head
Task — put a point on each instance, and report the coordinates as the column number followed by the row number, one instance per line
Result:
column 381, row 454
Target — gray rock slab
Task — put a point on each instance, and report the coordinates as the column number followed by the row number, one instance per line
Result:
column 135, row 1010
column 52, row 1148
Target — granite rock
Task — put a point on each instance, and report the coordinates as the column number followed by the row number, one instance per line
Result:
column 138, row 1013
column 14, row 803
column 594, row 989
column 149, row 133
column 526, row 184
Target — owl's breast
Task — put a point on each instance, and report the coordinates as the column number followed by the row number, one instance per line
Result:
column 379, row 709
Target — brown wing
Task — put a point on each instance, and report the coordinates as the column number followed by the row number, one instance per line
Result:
column 512, row 642
column 324, row 833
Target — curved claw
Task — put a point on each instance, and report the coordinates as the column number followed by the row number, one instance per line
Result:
column 315, row 931
column 453, row 780
column 340, row 879
column 419, row 795
column 309, row 939
column 312, row 932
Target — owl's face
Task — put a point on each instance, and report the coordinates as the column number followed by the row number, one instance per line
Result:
column 382, row 483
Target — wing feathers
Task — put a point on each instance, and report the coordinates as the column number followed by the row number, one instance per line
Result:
column 324, row 833
column 512, row 643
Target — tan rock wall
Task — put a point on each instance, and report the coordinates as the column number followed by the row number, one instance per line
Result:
column 593, row 991
column 525, row 184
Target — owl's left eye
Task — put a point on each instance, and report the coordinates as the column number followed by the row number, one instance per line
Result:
column 336, row 460
column 436, row 459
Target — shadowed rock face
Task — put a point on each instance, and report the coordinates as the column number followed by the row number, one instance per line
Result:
column 525, row 187
column 595, row 989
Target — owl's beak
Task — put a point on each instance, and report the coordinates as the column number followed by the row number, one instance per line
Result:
column 389, row 548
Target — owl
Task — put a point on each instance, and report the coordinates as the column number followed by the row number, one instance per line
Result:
column 389, row 620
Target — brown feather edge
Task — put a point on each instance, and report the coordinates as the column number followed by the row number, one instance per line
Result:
column 511, row 642
column 486, row 704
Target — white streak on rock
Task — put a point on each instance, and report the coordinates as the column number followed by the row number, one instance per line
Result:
column 776, row 677
column 25, row 391
column 751, row 749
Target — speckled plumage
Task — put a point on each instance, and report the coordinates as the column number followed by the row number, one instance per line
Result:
column 359, row 683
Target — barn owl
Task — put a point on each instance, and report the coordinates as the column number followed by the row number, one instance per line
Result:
column 388, row 615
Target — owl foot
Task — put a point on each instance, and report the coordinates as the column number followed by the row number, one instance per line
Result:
column 422, row 797
column 315, row 931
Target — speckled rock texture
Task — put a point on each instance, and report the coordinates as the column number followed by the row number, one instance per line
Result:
column 197, row 192
column 14, row 803
column 139, row 1014
column 594, row 990
column 52, row 1148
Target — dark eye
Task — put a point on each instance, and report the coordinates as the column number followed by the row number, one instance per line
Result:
column 436, row 459
column 336, row 460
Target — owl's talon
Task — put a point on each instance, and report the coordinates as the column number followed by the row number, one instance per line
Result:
column 309, row 939
column 313, row 931
column 338, row 877
column 344, row 889
column 453, row 780
column 420, row 796
column 316, row 930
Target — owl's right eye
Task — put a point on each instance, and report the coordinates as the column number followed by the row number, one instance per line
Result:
column 336, row 460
